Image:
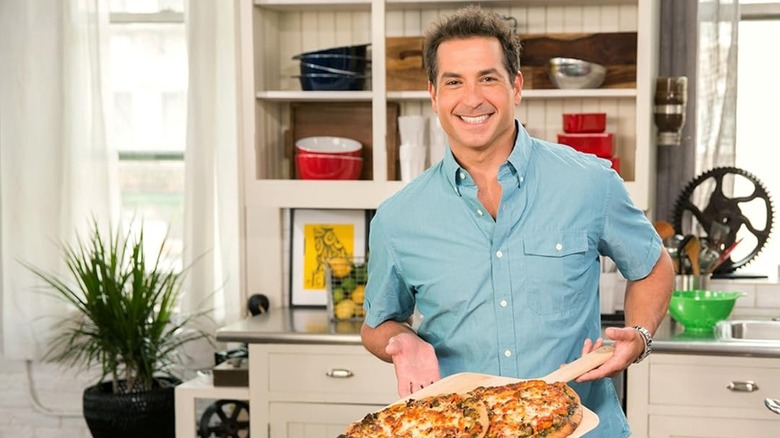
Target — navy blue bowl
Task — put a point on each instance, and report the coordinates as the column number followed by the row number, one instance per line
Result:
column 332, row 82
column 337, row 64
column 358, row 51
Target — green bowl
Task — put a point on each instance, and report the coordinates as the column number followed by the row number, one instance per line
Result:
column 700, row 310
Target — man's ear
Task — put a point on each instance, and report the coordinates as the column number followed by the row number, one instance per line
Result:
column 432, row 93
column 518, row 87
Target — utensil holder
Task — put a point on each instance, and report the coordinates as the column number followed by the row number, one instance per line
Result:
column 692, row 282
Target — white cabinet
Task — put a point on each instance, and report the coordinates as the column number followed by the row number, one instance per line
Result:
column 308, row 390
column 703, row 396
column 273, row 31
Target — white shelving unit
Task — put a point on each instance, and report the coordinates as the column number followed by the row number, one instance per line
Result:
column 272, row 31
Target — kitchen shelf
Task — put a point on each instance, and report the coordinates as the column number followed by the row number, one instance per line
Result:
column 315, row 96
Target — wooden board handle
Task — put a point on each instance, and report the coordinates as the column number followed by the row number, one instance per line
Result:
column 572, row 370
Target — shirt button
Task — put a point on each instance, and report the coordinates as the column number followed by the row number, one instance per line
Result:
column 522, row 179
column 558, row 246
column 503, row 303
column 462, row 175
column 479, row 212
column 507, row 353
column 499, row 254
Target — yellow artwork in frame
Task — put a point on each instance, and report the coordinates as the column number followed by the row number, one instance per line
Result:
column 317, row 236
column 323, row 242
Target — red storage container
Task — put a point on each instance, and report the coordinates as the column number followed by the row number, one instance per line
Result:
column 580, row 123
column 599, row 145
column 615, row 164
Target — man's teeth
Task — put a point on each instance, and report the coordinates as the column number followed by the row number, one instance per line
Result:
column 474, row 120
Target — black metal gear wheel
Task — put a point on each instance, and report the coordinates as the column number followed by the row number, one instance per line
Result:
column 225, row 419
column 704, row 202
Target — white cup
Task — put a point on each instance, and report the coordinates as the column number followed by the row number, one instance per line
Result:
column 438, row 140
column 413, row 130
column 412, row 158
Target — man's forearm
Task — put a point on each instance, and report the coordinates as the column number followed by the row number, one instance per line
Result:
column 375, row 339
column 647, row 300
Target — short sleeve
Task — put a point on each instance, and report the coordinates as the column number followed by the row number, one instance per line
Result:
column 628, row 237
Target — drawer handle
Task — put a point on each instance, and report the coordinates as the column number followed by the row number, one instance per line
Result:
column 339, row 373
column 748, row 386
column 773, row 405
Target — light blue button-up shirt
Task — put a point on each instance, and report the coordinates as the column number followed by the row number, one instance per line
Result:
column 518, row 295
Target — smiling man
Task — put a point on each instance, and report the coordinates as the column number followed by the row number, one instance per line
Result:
column 497, row 246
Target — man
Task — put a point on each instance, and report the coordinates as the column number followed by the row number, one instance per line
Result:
column 497, row 246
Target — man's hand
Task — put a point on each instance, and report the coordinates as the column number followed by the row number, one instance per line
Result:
column 628, row 346
column 415, row 362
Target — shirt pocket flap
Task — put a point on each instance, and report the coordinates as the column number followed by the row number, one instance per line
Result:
column 555, row 244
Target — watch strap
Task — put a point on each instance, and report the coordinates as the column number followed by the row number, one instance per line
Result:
column 648, row 338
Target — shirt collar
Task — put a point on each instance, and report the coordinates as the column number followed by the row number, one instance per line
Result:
column 518, row 159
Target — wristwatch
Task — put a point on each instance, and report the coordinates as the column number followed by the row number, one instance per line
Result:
column 648, row 338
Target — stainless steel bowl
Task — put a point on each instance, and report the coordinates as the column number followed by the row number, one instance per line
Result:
column 571, row 73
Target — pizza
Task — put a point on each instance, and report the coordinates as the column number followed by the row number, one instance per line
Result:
column 448, row 415
column 531, row 408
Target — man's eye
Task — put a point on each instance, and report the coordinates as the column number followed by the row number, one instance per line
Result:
column 489, row 79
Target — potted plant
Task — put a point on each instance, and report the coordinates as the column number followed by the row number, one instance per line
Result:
column 126, row 322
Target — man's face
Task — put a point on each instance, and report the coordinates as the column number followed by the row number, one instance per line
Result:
column 474, row 96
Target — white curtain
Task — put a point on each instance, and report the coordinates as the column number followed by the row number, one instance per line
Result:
column 716, row 91
column 212, row 189
column 56, row 170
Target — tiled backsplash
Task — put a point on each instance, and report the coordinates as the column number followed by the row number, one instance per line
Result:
column 762, row 296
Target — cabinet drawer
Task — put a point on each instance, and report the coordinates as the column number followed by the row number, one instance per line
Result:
column 672, row 426
column 314, row 420
column 705, row 381
column 331, row 373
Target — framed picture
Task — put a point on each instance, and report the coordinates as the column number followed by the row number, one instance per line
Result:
column 319, row 235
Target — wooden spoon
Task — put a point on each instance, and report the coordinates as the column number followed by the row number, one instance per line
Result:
column 664, row 229
column 692, row 250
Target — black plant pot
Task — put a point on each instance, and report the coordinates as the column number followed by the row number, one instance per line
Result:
column 148, row 414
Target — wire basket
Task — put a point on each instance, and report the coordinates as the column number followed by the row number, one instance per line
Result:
column 346, row 280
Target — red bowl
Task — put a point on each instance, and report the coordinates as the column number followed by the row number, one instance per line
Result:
column 579, row 123
column 328, row 166
column 329, row 145
column 599, row 145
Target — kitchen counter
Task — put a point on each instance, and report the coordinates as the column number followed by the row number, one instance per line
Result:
column 312, row 326
column 286, row 325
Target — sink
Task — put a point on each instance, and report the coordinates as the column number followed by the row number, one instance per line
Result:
column 748, row 330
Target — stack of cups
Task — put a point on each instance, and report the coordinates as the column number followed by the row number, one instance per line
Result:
column 438, row 141
column 413, row 146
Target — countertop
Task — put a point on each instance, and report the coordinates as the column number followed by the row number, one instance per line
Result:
column 305, row 326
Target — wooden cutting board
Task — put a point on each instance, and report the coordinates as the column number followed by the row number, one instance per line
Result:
column 465, row 382
column 614, row 50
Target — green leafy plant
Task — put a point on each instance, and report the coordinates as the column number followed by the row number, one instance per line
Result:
column 125, row 304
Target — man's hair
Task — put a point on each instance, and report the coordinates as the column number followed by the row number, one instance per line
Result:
column 471, row 21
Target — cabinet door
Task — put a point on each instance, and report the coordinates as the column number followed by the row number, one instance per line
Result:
column 314, row 420
column 669, row 426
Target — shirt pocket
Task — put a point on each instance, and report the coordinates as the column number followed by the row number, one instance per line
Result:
column 556, row 270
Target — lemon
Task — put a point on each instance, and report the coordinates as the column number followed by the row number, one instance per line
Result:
column 340, row 267
column 348, row 284
column 338, row 295
column 359, row 294
column 344, row 309
column 360, row 312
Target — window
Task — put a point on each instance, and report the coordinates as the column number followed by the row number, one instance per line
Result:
column 149, row 89
column 759, row 32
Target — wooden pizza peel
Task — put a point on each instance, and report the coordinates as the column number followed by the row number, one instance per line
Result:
column 464, row 382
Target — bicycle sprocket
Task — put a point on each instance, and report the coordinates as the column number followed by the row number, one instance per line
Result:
column 690, row 214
